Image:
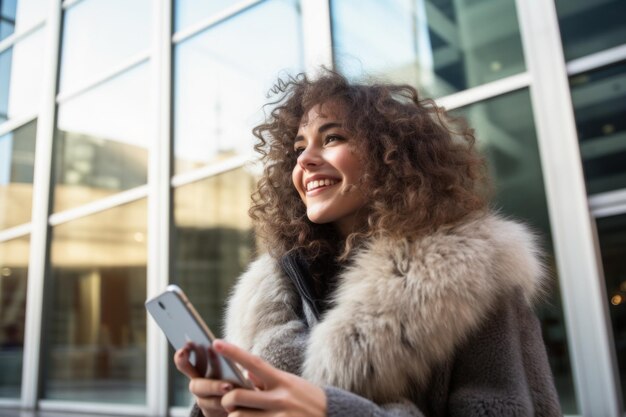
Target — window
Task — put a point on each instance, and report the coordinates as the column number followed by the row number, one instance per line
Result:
column 101, row 143
column 599, row 99
column 222, row 76
column 441, row 46
column 96, row 323
column 590, row 26
column 17, row 158
column 99, row 35
column 13, row 284
column 213, row 245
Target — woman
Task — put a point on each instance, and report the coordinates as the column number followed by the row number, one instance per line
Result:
column 388, row 287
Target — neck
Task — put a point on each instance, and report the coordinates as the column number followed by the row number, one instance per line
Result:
column 350, row 224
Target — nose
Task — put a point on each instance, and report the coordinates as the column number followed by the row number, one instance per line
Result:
column 310, row 157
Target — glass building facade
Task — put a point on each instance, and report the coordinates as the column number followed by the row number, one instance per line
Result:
column 126, row 164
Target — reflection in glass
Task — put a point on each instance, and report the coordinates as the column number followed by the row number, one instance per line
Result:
column 222, row 77
column 188, row 12
column 100, row 34
column 96, row 323
column 21, row 73
column 442, row 46
column 590, row 26
column 19, row 15
column 13, row 280
column 101, row 140
column 599, row 99
column 612, row 235
column 213, row 245
column 17, row 159
column 506, row 135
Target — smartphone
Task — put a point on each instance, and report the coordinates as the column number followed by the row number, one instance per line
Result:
column 181, row 323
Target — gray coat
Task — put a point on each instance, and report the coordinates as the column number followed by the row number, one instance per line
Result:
column 439, row 326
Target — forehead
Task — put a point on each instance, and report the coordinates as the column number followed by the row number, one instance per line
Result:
column 321, row 113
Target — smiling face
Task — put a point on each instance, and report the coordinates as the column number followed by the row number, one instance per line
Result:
column 327, row 171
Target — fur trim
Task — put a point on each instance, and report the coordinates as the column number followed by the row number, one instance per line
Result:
column 261, row 316
column 261, row 299
column 400, row 309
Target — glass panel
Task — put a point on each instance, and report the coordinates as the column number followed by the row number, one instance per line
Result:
column 222, row 77
column 188, row 12
column 13, row 284
column 17, row 159
column 21, row 78
column 612, row 234
column 214, row 243
column 506, row 134
column 101, row 140
column 96, row 323
column 18, row 15
column 599, row 99
column 590, row 26
column 100, row 34
column 442, row 46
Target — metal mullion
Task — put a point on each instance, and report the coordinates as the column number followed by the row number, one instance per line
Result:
column 13, row 124
column 485, row 91
column 15, row 232
column 608, row 204
column 573, row 231
column 597, row 60
column 159, row 203
column 608, row 211
column 178, row 411
column 14, row 38
column 96, row 408
column 103, row 77
column 115, row 200
column 317, row 34
column 13, row 403
column 39, row 217
column 69, row 3
column 211, row 170
column 215, row 19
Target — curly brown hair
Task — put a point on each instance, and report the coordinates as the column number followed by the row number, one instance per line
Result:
column 422, row 170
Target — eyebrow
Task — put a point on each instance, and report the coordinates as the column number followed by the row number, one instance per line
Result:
column 323, row 128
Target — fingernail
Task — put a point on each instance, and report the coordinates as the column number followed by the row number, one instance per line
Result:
column 226, row 387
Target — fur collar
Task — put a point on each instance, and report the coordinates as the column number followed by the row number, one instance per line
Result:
column 401, row 308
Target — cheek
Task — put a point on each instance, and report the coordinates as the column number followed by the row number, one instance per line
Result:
column 296, row 179
column 350, row 165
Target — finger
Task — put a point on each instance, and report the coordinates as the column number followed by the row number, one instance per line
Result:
column 210, row 404
column 181, row 360
column 257, row 382
column 202, row 387
column 201, row 362
column 247, row 412
column 215, row 367
column 265, row 372
column 245, row 398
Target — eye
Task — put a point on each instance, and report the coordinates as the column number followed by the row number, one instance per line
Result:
column 332, row 138
column 298, row 150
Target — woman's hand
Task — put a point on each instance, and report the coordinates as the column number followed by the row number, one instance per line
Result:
column 279, row 393
column 208, row 392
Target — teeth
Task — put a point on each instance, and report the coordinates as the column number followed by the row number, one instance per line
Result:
column 319, row 183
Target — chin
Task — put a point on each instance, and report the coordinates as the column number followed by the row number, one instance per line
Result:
column 319, row 218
